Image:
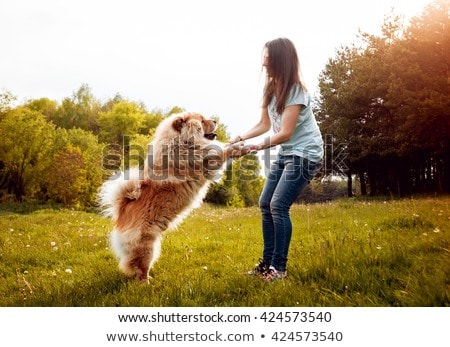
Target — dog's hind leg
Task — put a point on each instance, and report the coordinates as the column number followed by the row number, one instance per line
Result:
column 143, row 256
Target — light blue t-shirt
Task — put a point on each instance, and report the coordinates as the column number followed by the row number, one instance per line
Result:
column 306, row 140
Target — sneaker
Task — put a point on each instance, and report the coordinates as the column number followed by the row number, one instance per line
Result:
column 260, row 269
column 273, row 274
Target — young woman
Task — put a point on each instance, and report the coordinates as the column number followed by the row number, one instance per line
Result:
column 287, row 110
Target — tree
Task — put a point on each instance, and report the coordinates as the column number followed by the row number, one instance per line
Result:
column 48, row 108
column 6, row 100
column 92, row 155
column 125, row 118
column 339, row 112
column 382, row 99
column 67, row 177
column 247, row 179
column 420, row 96
column 79, row 111
column 150, row 121
column 25, row 149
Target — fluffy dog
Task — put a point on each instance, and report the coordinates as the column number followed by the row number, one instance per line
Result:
column 183, row 160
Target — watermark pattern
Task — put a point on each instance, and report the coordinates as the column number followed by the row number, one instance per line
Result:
column 334, row 157
column 189, row 160
column 192, row 161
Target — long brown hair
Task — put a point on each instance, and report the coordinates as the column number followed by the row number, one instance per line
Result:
column 283, row 71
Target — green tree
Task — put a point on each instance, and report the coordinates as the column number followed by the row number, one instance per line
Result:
column 66, row 177
column 383, row 99
column 25, row 149
column 125, row 118
column 92, row 154
column 135, row 150
column 6, row 100
column 340, row 112
column 247, row 179
column 48, row 108
column 150, row 121
column 76, row 158
column 79, row 111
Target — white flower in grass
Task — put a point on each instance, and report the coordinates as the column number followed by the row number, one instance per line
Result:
column 205, row 268
column 436, row 230
column 378, row 247
column 68, row 271
column 53, row 243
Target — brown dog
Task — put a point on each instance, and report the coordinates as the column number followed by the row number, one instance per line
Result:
column 183, row 160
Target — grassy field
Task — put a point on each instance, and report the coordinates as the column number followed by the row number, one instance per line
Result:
column 345, row 253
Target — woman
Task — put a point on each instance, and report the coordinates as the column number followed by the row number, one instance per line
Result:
column 287, row 109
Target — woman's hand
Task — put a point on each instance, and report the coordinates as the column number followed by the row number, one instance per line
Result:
column 240, row 149
column 250, row 149
column 236, row 140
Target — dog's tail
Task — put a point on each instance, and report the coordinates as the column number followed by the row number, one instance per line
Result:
column 117, row 190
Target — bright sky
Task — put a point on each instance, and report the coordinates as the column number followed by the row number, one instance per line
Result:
column 204, row 56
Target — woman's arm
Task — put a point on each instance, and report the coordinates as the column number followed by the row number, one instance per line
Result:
column 288, row 122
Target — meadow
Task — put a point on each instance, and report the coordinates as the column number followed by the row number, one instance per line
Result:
column 350, row 252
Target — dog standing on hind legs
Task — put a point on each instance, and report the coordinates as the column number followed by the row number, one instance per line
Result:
column 183, row 160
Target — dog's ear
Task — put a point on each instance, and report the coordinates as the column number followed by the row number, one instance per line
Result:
column 178, row 124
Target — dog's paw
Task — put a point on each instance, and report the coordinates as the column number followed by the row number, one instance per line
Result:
column 142, row 276
column 235, row 150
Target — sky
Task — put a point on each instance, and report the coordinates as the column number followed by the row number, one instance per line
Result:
column 203, row 56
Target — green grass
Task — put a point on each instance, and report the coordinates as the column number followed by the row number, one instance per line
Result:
column 346, row 253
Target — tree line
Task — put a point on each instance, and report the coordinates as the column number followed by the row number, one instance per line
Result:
column 386, row 100
column 62, row 152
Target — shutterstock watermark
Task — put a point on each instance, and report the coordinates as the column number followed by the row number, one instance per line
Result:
column 184, row 161
column 334, row 157
column 191, row 161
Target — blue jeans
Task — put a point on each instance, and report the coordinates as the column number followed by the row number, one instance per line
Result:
column 288, row 176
